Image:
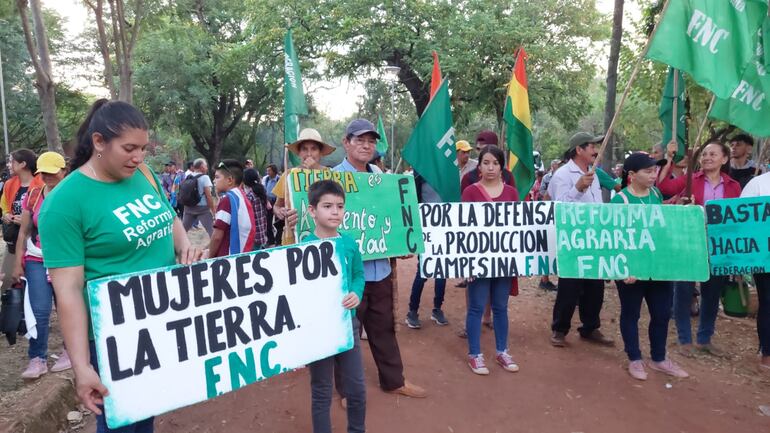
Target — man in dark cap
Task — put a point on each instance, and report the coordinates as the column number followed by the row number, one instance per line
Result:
column 575, row 181
column 376, row 311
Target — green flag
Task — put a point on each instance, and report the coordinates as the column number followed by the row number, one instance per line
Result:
column 382, row 143
column 666, row 112
column 713, row 41
column 749, row 108
column 431, row 147
column 293, row 96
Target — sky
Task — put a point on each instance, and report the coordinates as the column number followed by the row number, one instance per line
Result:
column 326, row 93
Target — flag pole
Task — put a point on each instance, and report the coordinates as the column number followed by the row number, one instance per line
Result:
column 698, row 148
column 675, row 114
column 631, row 81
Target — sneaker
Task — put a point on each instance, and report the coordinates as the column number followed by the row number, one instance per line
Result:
column 438, row 316
column 36, row 368
column 558, row 339
column 462, row 333
column 670, row 368
column 477, row 364
column 636, row 370
column 462, row 283
column 547, row 286
column 410, row 390
column 505, row 361
column 63, row 363
column 687, row 350
column 413, row 320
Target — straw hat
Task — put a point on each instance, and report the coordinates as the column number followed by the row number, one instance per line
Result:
column 310, row 134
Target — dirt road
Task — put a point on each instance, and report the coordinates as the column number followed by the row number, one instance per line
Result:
column 582, row 388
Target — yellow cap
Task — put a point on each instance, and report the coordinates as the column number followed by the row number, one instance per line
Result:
column 463, row 145
column 50, row 162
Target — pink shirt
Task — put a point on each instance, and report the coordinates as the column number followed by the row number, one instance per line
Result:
column 711, row 192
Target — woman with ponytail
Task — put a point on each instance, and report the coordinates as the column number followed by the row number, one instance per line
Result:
column 88, row 231
column 639, row 171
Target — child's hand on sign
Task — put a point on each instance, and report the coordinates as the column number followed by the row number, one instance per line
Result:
column 90, row 389
column 630, row 280
column 350, row 301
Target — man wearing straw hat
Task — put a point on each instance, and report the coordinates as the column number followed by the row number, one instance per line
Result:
column 310, row 148
column 575, row 181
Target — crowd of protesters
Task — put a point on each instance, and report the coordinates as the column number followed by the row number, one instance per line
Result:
column 56, row 241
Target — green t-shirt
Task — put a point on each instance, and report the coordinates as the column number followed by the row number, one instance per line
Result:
column 350, row 256
column 108, row 228
column 655, row 197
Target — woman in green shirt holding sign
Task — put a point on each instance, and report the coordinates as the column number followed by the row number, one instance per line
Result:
column 639, row 171
column 107, row 217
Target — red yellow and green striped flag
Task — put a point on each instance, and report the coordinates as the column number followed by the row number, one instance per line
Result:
column 518, row 124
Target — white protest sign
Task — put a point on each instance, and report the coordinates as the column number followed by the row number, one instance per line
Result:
column 488, row 240
column 176, row 336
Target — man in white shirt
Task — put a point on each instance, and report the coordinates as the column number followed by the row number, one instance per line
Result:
column 577, row 182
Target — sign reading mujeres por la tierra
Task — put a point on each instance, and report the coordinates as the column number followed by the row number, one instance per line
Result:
column 617, row 241
column 381, row 211
column 176, row 336
column 488, row 240
column 739, row 235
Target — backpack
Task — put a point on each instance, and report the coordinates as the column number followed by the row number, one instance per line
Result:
column 188, row 191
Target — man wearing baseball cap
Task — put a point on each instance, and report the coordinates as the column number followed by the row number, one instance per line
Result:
column 376, row 311
column 576, row 182
column 464, row 161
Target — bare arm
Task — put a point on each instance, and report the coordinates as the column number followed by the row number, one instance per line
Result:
column 216, row 240
column 73, row 318
column 21, row 244
column 209, row 200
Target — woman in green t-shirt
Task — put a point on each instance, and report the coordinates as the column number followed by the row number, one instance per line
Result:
column 639, row 172
column 107, row 217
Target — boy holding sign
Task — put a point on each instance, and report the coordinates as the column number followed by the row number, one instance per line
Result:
column 326, row 201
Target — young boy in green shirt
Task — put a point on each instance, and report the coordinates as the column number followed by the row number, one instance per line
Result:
column 326, row 201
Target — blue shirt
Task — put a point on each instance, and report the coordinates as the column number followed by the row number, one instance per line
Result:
column 270, row 183
column 374, row 270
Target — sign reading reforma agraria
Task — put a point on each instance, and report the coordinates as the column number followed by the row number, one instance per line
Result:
column 176, row 336
column 380, row 210
column 488, row 240
column 739, row 235
column 617, row 241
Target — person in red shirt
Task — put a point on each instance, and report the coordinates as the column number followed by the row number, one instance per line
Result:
column 489, row 188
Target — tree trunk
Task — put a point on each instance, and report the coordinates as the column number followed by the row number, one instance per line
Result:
column 417, row 88
column 124, row 37
column 612, row 78
column 41, row 60
column 104, row 47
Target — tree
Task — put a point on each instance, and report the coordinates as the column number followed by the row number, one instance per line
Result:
column 612, row 77
column 118, row 45
column 204, row 70
column 41, row 61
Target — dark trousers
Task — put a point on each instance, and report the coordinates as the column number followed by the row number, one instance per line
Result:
column 270, row 233
column 659, row 297
column 376, row 315
column 144, row 426
column 439, row 286
column 710, row 291
column 348, row 369
column 571, row 291
column 763, row 314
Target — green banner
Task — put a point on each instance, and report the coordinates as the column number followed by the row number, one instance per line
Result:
column 739, row 235
column 381, row 211
column 617, row 241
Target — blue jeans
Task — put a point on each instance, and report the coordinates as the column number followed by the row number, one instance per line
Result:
column 479, row 292
column 709, row 307
column 417, row 286
column 349, row 368
column 144, row 426
column 40, row 294
column 658, row 297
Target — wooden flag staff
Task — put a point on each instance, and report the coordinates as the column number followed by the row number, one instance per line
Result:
column 631, row 81
column 698, row 148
